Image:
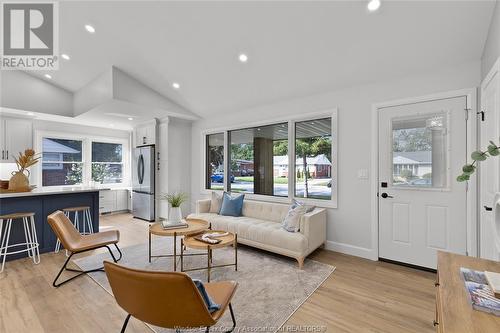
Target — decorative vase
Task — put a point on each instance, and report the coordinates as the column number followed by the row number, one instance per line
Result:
column 19, row 181
column 175, row 215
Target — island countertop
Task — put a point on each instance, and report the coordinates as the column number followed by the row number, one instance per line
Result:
column 52, row 190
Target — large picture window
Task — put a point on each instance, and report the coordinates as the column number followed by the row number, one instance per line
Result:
column 293, row 158
column 215, row 161
column 107, row 162
column 313, row 156
column 259, row 162
column 62, row 162
column 72, row 160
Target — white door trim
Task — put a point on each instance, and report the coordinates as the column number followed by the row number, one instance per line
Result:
column 471, row 94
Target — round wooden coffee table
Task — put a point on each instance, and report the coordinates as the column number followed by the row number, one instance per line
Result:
column 190, row 242
column 194, row 227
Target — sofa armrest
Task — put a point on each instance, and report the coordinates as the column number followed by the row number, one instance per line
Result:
column 203, row 206
column 313, row 226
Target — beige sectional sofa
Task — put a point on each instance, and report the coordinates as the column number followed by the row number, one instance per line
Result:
column 260, row 226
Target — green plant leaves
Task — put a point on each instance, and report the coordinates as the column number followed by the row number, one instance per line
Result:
column 478, row 156
column 468, row 169
column 493, row 150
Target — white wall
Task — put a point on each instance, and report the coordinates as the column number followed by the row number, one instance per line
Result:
column 348, row 228
column 22, row 91
column 179, row 158
column 491, row 50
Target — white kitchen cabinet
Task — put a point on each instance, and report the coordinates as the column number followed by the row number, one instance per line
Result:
column 145, row 134
column 113, row 201
column 122, row 200
column 16, row 135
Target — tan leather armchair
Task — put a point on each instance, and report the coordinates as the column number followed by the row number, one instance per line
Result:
column 167, row 299
column 74, row 242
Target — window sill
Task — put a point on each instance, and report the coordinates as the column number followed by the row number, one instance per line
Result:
column 282, row 200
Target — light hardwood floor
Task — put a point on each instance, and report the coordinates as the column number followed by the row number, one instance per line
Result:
column 360, row 296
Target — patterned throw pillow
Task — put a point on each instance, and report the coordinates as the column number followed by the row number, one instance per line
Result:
column 232, row 206
column 309, row 208
column 291, row 222
column 215, row 202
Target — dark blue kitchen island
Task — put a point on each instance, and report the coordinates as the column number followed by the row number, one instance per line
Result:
column 44, row 202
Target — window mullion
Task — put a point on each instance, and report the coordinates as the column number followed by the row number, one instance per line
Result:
column 227, row 161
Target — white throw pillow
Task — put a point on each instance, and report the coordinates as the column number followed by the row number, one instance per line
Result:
column 215, row 202
column 309, row 208
column 291, row 222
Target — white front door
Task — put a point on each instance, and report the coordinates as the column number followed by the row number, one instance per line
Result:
column 422, row 208
column 489, row 127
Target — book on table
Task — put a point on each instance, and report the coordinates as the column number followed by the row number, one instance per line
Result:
column 479, row 292
column 179, row 225
column 493, row 279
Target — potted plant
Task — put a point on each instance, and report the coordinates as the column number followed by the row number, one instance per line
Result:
column 478, row 156
column 19, row 180
column 175, row 200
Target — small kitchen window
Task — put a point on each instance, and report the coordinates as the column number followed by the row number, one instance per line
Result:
column 107, row 163
column 62, row 162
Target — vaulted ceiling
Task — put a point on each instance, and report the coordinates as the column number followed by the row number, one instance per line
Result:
column 295, row 49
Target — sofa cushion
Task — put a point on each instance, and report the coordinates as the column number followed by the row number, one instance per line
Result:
column 260, row 231
column 231, row 206
column 215, row 202
column 265, row 210
column 291, row 223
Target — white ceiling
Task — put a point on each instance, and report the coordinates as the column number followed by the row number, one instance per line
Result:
column 295, row 48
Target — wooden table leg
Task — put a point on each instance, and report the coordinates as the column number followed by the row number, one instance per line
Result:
column 175, row 251
column 149, row 247
column 209, row 255
column 182, row 254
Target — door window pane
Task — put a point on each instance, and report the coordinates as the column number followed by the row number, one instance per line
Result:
column 215, row 161
column 419, row 151
column 259, row 160
column 61, row 162
column 313, row 159
column 107, row 167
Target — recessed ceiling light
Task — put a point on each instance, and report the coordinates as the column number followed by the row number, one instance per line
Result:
column 243, row 57
column 89, row 28
column 373, row 5
column 130, row 118
column 30, row 114
column 176, row 85
column 48, row 76
column 65, row 56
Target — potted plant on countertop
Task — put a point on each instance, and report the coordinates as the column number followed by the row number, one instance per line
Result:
column 19, row 181
column 175, row 200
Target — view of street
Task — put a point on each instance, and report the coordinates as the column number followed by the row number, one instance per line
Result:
column 317, row 187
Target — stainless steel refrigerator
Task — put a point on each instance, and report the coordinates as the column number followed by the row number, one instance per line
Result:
column 143, row 183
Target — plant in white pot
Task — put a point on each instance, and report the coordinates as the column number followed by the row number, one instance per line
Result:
column 175, row 200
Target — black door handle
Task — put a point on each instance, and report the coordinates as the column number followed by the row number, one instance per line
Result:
column 385, row 195
column 488, row 209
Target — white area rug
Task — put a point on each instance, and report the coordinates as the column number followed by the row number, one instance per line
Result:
column 271, row 287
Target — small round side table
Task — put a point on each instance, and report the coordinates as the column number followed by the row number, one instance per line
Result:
column 194, row 227
column 192, row 243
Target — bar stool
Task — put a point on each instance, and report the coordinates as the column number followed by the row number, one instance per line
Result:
column 87, row 227
column 31, row 240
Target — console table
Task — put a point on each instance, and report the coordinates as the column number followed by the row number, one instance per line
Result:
column 453, row 311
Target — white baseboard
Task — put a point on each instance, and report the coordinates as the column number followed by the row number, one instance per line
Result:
column 352, row 250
